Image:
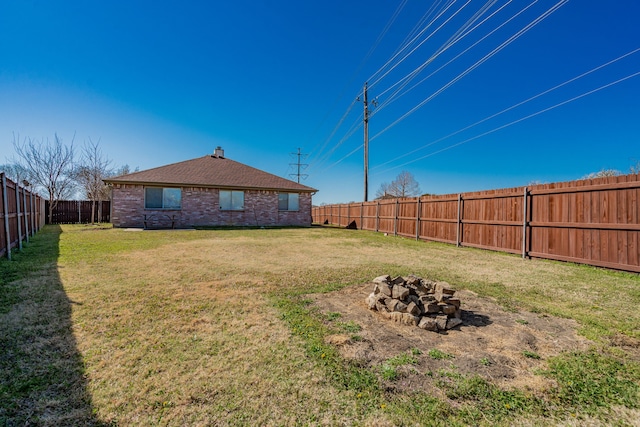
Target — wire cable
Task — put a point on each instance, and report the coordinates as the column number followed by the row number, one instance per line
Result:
column 375, row 82
column 409, row 77
column 474, row 66
column 515, row 121
column 593, row 70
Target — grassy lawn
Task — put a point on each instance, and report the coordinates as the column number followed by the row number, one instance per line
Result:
column 102, row 326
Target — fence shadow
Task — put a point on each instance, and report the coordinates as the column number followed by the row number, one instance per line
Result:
column 42, row 375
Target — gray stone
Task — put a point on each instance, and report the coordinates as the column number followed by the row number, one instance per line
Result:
column 412, row 281
column 454, row 301
column 428, row 324
column 426, row 299
column 391, row 304
column 431, row 308
column 427, row 284
column 371, row 300
column 397, row 281
column 382, row 279
column 385, row 289
column 401, row 307
column 453, row 322
column 445, row 288
column 410, row 319
column 400, row 292
column 381, row 306
column 447, row 308
column 441, row 321
column 413, row 309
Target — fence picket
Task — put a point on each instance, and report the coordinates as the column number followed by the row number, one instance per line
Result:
column 594, row 222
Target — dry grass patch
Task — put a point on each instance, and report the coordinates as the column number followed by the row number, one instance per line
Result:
column 213, row 327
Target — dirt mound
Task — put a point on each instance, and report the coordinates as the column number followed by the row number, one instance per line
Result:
column 500, row 346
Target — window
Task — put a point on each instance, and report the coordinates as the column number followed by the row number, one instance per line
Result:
column 162, row 198
column 231, row 200
column 288, row 201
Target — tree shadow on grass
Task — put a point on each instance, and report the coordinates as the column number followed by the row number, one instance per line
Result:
column 42, row 378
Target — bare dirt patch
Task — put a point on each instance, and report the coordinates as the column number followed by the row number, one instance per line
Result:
column 500, row 346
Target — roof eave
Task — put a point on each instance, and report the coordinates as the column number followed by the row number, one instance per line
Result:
column 226, row 187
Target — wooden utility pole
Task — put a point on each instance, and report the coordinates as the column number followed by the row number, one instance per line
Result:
column 366, row 145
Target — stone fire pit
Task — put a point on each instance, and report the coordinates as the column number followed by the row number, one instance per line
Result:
column 415, row 301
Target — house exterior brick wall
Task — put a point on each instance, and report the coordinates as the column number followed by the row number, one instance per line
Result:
column 201, row 207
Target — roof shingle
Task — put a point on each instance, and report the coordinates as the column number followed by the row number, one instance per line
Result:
column 211, row 171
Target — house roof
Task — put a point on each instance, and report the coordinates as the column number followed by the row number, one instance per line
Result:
column 211, row 171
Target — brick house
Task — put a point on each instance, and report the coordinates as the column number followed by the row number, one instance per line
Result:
column 208, row 191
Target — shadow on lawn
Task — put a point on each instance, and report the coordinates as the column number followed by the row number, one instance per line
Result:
column 42, row 379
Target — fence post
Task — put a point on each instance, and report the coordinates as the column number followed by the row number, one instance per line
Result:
column 26, row 210
column 5, row 210
column 418, row 220
column 18, row 216
column 361, row 215
column 378, row 216
column 32, row 209
column 79, row 212
column 348, row 214
column 395, row 220
column 459, row 223
column 524, row 224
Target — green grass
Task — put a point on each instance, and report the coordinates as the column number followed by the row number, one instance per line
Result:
column 101, row 326
column 436, row 354
column 530, row 354
column 589, row 381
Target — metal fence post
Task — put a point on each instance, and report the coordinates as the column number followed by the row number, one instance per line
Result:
column 378, row 216
column 361, row 215
column 5, row 210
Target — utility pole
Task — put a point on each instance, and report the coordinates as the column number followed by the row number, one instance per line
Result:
column 366, row 144
column 300, row 166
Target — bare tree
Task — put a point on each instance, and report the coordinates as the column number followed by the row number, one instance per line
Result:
column 635, row 168
column 15, row 172
column 383, row 192
column 602, row 174
column 50, row 166
column 405, row 185
column 93, row 168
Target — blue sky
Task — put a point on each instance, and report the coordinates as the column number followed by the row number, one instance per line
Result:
column 158, row 82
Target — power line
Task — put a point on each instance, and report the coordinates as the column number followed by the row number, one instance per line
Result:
column 510, row 40
column 475, row 65
column 516, row 121
column 593, row 70
column 404, row 81
column 381, row 36
column 419, row 44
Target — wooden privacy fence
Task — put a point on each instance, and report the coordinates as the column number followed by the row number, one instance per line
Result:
column 22, row 214
column 594, row 221
column 78, row 212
